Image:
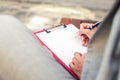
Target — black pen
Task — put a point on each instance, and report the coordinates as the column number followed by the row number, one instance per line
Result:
column 94, row 25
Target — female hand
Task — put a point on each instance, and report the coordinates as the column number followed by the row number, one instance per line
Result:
column 77, row 63
column 86, row 34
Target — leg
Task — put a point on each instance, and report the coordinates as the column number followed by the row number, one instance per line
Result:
column 23, row 58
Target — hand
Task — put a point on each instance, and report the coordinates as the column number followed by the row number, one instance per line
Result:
column 86, row 34
column 77, row 63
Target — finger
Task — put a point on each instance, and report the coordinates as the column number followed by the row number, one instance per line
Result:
column 74, row 61
column 85, row 41
column 72, row 66
column 84, row 32
column 75, row 68
column 82, row 36
column 78, row 57
column 85, row 25
column 82, row 28
column 77, row 54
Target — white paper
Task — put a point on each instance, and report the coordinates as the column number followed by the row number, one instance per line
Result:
column 63, row 42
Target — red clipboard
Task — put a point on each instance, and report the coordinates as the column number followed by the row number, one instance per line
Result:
column 49, row 38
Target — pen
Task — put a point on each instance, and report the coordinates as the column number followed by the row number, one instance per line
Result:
column 95, row 25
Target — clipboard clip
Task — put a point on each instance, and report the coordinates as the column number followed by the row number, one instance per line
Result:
column 48, row 30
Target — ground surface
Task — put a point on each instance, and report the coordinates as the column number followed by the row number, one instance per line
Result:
column 38, row 15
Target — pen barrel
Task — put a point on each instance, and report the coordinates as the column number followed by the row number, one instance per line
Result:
column 95, row 25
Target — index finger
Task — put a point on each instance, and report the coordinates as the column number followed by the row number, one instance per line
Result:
column 85, row 25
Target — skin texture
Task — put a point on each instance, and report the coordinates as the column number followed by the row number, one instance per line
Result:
column 86, row 34
column 78, row 60
column 77, row 63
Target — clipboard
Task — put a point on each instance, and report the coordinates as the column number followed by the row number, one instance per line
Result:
column 62, row 41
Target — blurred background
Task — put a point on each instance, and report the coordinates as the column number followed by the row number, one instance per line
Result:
column 36, row 14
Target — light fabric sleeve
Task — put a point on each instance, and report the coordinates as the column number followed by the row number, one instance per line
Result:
column 22, row 57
